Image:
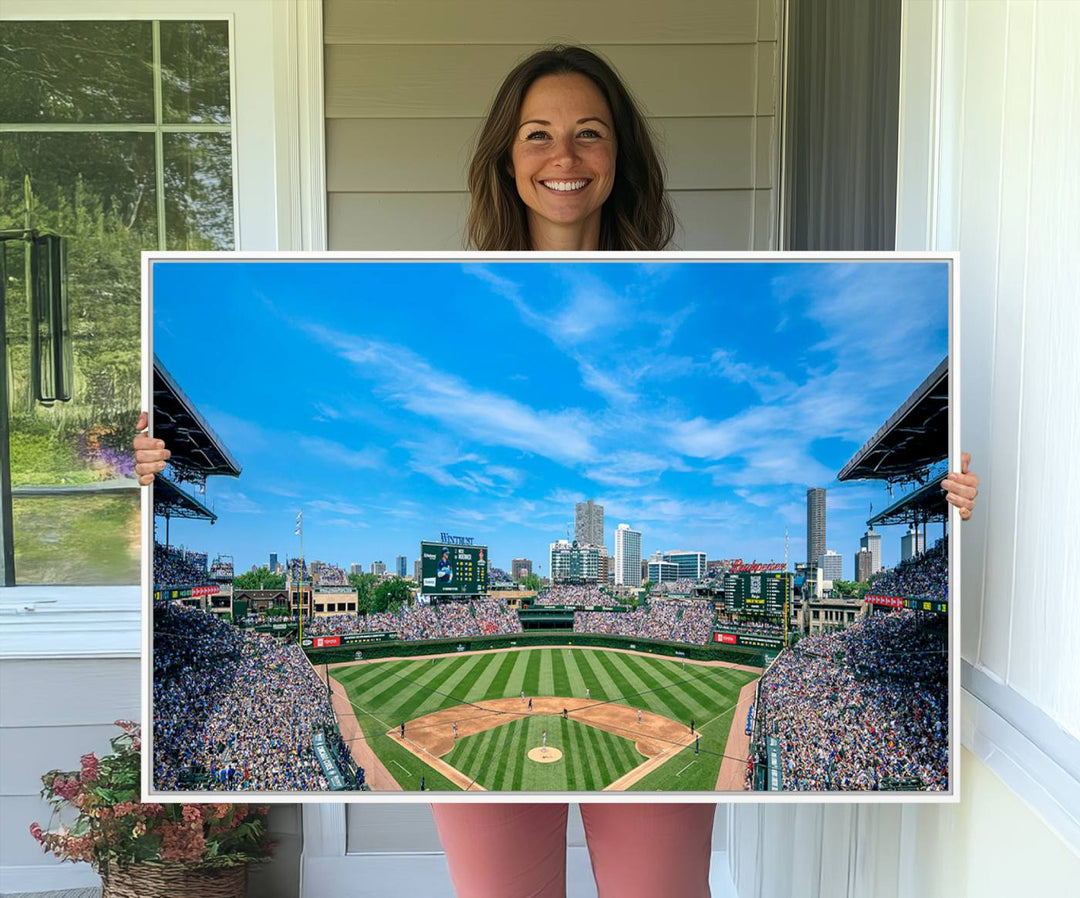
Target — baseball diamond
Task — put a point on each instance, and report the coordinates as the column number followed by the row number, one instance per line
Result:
column 602, row 744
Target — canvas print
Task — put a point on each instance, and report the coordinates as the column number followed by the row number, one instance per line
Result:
column 583, row 525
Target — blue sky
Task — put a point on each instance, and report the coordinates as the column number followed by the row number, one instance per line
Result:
column 392, row 401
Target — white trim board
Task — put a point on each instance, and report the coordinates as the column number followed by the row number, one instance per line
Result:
column 1044, row 773
column 40, row 622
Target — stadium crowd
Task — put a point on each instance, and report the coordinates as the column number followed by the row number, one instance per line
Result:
column 329, row 575
column 855, row 707
column 924, row 575
column 568, row 594
column 233, row 710
column 173, row 567
column 674, row 621
column 683, row 586
column 447, row 620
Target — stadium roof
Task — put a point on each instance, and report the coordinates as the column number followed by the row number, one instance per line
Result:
column 197, row 452
column 912, row 440
column 171, row 501
column 927, row 503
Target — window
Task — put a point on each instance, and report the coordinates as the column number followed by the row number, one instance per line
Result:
column 117, row 135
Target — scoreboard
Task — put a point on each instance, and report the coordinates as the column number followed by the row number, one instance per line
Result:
column 449, row 570
column 758, row 593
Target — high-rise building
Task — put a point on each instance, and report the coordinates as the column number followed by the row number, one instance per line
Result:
column 691, row 564
column 378, row 568
column 273, row 562
column 417, row 566
column 589, row 523
column 815, row 523
column 831, row 565
column 627, row 556
column 402, row 566
column 864, row 565
column 660, row 571
column 911, row 544
column 607, row 565
column 520, row 568
column 356, row 568
column 872, row 540
column 574, row 563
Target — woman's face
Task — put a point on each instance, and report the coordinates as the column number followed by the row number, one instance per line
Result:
column 563, row 160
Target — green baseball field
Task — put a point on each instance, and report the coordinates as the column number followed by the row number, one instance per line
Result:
column 598, row 719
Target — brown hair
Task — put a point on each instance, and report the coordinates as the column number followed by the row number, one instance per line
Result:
column 637, row 214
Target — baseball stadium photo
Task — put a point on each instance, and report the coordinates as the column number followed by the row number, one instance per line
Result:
column 483, row 525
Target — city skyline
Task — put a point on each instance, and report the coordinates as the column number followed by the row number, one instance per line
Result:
column 697, row 401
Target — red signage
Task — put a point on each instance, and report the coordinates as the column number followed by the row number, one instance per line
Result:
column 325, row 642
column 738, row 566
column 204, row 590
column 729, row 638
column 885, row 601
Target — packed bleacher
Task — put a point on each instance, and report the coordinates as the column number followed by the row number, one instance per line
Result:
column 924, row 575
column 682, row 586
column 221, row 570
column 448, row 620
column 567, row 594
column 750, row 627
column 670, row 620
column 330, row 575
column 233, row 710
column 174, row 567
column 856, row 708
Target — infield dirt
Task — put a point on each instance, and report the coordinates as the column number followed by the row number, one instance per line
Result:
column 431, row 736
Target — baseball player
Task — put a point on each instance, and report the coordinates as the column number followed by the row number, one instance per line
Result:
column 455, row 730
column 639, row 716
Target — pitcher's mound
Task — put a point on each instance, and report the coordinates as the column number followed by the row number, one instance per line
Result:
column 545, row 756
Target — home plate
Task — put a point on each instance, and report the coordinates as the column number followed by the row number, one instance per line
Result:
column 545, row 755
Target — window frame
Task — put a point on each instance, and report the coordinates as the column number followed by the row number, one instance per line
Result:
column 276, row 94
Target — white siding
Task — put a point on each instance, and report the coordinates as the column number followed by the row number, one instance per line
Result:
column 1006, row 193
column 408, row 83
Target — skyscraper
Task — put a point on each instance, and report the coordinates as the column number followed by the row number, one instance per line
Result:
column 831, row 565
column 273, row 562
column 520, row 568
column 911, row 544
column 416, row 568
column 627, row 556
column 691, row 564
column 589, row 523
column 864, row 565
column 815, row 524
column 378, row 568
column 402, row 566
column 872, row 540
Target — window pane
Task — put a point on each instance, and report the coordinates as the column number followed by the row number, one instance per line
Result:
column 79, row 540
column 98, row 191
column 76, row 72
column 198, row 191
column 195, row 72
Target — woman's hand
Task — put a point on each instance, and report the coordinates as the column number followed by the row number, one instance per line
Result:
column 962, row 487
column 150, row 454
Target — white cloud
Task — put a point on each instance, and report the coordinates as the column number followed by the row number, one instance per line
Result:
column 337, row 454
column 487, row 417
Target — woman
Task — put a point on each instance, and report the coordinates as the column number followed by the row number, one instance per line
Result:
column 565, row 162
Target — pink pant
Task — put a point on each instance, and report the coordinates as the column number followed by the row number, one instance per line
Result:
column 519, row 850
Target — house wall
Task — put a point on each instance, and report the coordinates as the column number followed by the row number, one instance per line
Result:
column 407, row 85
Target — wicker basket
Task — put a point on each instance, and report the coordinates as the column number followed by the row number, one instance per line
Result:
column 165, row 880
